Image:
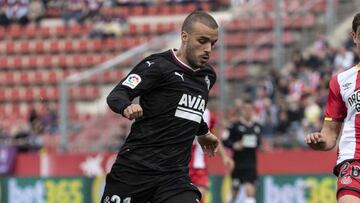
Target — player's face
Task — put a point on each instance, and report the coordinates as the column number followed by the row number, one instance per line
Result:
column 247, row 111
column 199, row 43
column 356, row 39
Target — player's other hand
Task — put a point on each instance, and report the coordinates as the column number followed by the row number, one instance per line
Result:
column 209, row 144
column 228, row 163
column 238, row 146
column 315, row 140
column 133, row 111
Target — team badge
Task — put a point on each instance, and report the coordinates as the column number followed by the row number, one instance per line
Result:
column 346, row 180
column 207, row 80
column 132, row 81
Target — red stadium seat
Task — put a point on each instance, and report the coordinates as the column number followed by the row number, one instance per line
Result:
column 45, row 32
column 137, row 10
column 165, row 10
column 10, row 47
column 152, row 11
column 2, row 94
column 15, row 31
column 69, row 46
column 31, row 31
column 60, row 31
column 54, row 46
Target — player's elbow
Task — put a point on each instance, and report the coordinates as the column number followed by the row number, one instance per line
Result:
column 112, row 103
column 330, row 146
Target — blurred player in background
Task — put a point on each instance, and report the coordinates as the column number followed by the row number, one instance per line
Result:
column 173, row 86
column 244, row 140
column 342, row 118
column 197, row 167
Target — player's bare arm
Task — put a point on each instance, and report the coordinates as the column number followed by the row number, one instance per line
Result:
column 326, row 139
column 228, row 161
column 209, row 143
column 133, row 111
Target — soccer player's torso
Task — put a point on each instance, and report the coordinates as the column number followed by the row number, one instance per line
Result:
column 348, row 85
column 249, row 136
column 172, row 112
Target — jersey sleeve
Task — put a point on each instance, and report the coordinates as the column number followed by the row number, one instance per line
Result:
column 142, row 78
column 233, row 134
column 335, row 107
column 258, row 135
column 203, row 128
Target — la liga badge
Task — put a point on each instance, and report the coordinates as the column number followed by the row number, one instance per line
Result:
column 132, row 81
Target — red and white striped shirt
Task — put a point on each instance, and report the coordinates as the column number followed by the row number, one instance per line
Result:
column 343, row 105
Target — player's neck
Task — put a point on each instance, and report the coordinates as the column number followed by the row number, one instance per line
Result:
column 247, row 121
column 181, row 55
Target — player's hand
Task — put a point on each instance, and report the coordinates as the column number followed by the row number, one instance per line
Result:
column 238, row 146
column 133, row 111
column 228, row 163
column 315, row 140
column 209, row 144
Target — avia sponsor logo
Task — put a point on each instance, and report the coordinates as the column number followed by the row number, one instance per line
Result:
column 191, row 108
column 354, row 100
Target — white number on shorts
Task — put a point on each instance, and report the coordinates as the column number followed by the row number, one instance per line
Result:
column 127, row 200
column 117, row 199
column 355, row 170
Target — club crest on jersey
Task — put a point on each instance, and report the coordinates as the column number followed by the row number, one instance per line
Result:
column 191, row 108
column 207, row 80
column 132, row 81
column 346, row 180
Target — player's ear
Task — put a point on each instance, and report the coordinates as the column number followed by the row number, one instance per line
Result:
column 353, row 35
column 184, row 37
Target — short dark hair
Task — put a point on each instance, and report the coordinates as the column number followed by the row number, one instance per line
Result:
column 198, row 16
column 356, row 22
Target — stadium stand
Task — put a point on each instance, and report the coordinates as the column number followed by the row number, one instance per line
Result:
column 35, row 58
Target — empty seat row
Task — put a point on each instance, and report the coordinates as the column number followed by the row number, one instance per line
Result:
column 156, row 9
column 47, row 93
column 10, row 111
column 52, row 77
column 291, row 22
column 31, row 31
column 150, row 29
column 77, row 31
column 286, row 6
column 233, row 56
column 53, row 61
column 38, row 46
column 257, row 38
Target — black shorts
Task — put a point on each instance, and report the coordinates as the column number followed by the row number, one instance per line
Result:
column 246, row 175
column 132, row 187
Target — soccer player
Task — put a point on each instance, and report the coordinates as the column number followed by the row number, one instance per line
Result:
column 244, row 140
column 342, row 118
column 173, row 86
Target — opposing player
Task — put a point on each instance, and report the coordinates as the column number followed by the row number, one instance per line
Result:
column 244, row 140
column 173, row 86
column 197, row 167
column 342, row 118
